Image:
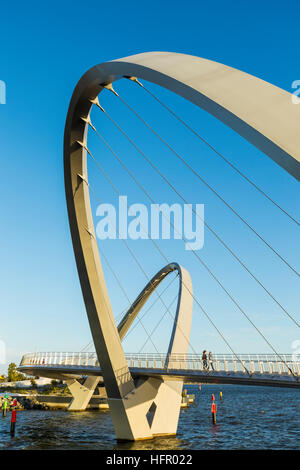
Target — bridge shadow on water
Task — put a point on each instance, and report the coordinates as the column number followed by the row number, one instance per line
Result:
column 247, row 418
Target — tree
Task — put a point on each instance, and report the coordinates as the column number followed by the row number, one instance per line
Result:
column 13, row 375
column 33, row 383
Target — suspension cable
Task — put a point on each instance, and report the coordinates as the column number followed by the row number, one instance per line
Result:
column 87, row 346
column 120, row 315
column 150, row 307
column 134, row 257
column 188, row 126
column 196, row 300
column 284, row 310
column 157, row 325
column 243, row 220
column 167, row 260
column 116, row 278
column 130, row 303
column 158, row 249
column 197, row 256
column 143, row 271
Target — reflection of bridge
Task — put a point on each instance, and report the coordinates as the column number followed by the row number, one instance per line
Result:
column 144, row 391
column 250, row 369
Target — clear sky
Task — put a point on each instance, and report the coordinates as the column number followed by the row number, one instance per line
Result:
column 45, row 48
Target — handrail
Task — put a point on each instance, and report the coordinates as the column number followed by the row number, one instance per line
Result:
column 257, row 363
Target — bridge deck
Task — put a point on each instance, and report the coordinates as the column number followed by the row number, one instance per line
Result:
column 251, row 370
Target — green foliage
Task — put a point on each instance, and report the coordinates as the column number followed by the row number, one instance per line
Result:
column 33, row 383
column 13, row 375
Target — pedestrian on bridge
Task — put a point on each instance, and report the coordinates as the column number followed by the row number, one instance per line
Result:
column 211, row 360
column 204, row 360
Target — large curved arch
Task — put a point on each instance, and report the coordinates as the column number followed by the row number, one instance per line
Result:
column 179, row 341
column 259, row 111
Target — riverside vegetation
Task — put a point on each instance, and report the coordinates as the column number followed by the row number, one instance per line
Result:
column 27, row 397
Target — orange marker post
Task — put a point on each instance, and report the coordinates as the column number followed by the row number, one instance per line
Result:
column 13, row 418
column 214, row 412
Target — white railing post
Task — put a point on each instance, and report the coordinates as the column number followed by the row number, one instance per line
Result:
column 225, row 364
column 278, row 367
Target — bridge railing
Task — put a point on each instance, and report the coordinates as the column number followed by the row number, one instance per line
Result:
column 253, row 363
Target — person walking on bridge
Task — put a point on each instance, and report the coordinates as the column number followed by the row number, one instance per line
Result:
column 211, row 360
column 204, row 360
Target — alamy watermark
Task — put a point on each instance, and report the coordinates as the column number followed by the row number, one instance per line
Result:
column 163, row 221
column 296, row 93
column 2, row 92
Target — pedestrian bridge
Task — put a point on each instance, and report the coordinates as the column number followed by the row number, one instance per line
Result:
column 144, row 390
column 245, row 369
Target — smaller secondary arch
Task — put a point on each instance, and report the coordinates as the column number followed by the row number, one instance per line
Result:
column 179, row 341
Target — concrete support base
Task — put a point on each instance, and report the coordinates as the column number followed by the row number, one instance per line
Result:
column 152, row 409
column 81, row 393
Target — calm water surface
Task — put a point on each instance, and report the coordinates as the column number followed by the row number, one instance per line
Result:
column 248, row 418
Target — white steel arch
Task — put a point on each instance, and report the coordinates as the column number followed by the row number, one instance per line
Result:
column 260, row 112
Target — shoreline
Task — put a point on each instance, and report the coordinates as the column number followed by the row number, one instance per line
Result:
column 51, row 402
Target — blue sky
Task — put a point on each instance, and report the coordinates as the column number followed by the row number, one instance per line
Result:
column 45, row 48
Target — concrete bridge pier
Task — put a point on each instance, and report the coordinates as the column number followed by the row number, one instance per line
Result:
column 82, row 393
column 166, row 415
column 151, row 409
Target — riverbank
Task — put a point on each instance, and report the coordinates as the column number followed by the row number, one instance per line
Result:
column 61, row 402
column 49, row 402
column 24, row 402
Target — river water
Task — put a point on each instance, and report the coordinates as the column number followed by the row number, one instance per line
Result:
column 247, row 418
